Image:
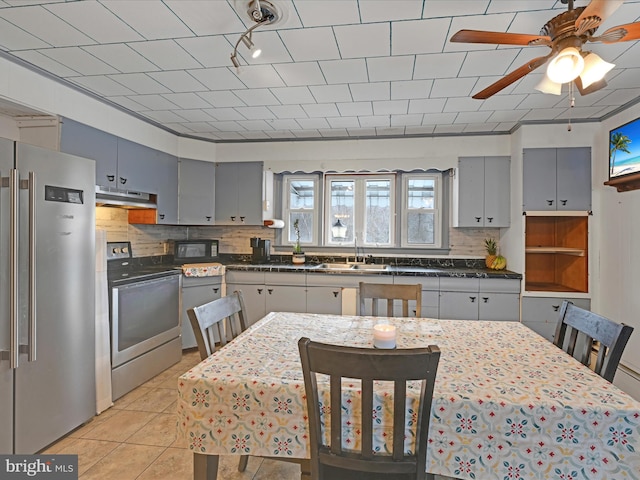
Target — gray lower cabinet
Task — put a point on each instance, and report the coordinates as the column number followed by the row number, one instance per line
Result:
column 480, row 299
column 541, row 314
column 285, row 292
column 430, row 295
column 252, row 286
column 324, row 295
column 197, row 291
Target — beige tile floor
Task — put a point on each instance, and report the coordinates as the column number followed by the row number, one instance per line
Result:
column 136, row 439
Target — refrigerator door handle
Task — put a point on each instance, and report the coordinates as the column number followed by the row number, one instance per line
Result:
column 32, row 267
column 14, row 190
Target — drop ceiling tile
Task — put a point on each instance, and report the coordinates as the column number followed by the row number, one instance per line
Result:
column 449, row 129
column 127, row 103
column 136, row 13
column 256, row 113
column 370, row 91
column 311, row 44
column 207, row 18
column 292, row 95
column 103, row 26
column 579, row 112
column 222, row 99
column 343, row 122
column 140, row 83
column 361, row 132
column 300, row 74
column 77, row 59
column 166, row 54
column 226, row 126
column 390, row 131
column 208, row 51
column 257, row 96
column 541, row 114
column 452, row 87
column 625, row 79
column 225, row 114
column 217, row 78
column 438, row 65
column 345, row 71
column 14, row 38
column 260, row 76
column 321, row 110
column 481, row 127
column 375, row 121
column 178, row 127
column 254, row 124
column 199, row 127
column 488, row 62
column 354, row 109
column 102, row 85
column 313, row 123
column 472, row 117
column 255, row 135
column 121, row 57
column 333, row 133
column 284, row 134
column 178, row 81
column 391, row 107
column 406, row 120
column 288, row 111
column 620, row 97
column 377, row 11
column 154, row 102
column 330, row 93
column 437, row 8
column 195, row 115
column 390, row 68
column 429, row 105
column 462, row 104
column 163, row 116
column 507, row 116
column 284, row 124
column 438, row 118
column 314, row 13
column 46, row 63
column 410, row 89
column 419, row 36
column 45, row 26
column 502, row 102
column 419, row 130
column 359, row 41
column 187, row 100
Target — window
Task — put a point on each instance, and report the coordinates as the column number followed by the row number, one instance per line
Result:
column 359, row 208
column 301, row 205
column 421, row 212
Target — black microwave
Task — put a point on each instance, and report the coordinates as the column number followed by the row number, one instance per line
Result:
column 195, row 251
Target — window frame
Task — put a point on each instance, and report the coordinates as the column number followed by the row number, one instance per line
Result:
column 436, row 210
column 287, row 210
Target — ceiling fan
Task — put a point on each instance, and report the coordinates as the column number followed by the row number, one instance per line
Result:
column 565, row 34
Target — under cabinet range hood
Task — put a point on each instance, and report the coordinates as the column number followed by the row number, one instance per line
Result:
column 113, row 197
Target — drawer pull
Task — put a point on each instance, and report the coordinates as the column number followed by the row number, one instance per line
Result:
column 555, row 307
column 123, row 180
column 208, row 218
column 549, row 202
column 335, row 293
column 260, row 291
column 473, row 299
column 233, row 218
column 485, row 299
column 478, row 219
column 564, row 202
column 490, row 219
column 215, row 289
column 111, row 178
column 270, row 290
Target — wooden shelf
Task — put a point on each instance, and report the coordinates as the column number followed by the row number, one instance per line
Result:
column 550, row 287
column 625, row 183
column 578, row 252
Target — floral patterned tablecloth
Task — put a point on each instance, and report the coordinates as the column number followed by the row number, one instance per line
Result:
column 507, row 404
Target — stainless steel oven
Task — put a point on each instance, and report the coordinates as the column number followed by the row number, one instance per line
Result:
column 144, row 316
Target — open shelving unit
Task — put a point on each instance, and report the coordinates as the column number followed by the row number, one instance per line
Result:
column 556, row 253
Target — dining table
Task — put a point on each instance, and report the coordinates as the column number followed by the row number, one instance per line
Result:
column 507, row 403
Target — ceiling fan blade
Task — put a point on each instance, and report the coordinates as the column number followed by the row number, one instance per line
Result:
column 511, row 77
column 621, row 33
column 501, row 38
column 595, row 13
column 594, row 87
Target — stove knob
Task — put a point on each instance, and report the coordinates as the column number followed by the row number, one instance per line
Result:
column 124, row 249
column 115, row 250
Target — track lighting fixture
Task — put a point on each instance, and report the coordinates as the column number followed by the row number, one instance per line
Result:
column 262, row 13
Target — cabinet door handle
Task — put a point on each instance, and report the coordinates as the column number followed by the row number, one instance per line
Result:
column 564, row 202
column 335, row 293
column 549, row 202
column 161, row 216
column 270, row 290
column 478, row 219
column 111, row 178
column 555, row 307
column 123, row 180
column 208, row 218
column 233, row 218
column 260, row 291
column 242, row 219
column 473, row 299
column 215, row 290
column 485, row 299
column 490, row 219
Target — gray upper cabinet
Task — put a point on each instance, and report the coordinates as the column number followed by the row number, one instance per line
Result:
column 165, row 171
column 83, row 141
column 196, row 195
column 238, row 193
column 556, row 179
column 481, row 192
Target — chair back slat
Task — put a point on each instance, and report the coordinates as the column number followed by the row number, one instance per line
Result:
column 371, row 367
column 377, row 292
column 224, row 316
column 578, row 328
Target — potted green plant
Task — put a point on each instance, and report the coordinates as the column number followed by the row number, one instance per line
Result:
column 298, row 254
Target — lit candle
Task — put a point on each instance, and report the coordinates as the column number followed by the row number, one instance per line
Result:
column 384, row 336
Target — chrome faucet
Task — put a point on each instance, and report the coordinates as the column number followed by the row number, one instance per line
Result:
column 355, row 246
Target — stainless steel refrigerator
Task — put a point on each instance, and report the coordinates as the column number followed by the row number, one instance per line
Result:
column 47, row 275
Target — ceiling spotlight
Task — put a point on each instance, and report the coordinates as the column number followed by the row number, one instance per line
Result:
column 566, row 66
column 262, row 13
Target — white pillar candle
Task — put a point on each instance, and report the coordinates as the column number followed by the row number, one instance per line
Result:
column 384, row 336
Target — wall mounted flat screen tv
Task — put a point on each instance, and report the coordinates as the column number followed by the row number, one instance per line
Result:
column 624, row 150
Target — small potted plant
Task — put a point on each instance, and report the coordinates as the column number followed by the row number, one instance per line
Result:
column 298, row 254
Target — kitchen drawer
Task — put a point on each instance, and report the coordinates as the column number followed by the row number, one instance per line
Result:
column 456, row 284
column 244, row 277
column 285, row 278
column 428, row 283
column 499, row 285
column 199, row 281
column 541, row 314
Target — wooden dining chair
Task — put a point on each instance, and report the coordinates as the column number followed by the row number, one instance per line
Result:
column 369, row 365
column 389, row 293
column 225, row 316
column 577, row 330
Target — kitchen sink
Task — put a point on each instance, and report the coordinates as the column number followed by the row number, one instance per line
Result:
column 352, row 266
column 335, row 266
column 370, row 266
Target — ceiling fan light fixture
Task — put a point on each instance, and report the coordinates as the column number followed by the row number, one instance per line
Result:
column 594, row 69
column 546, row 85
column 566, row 66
